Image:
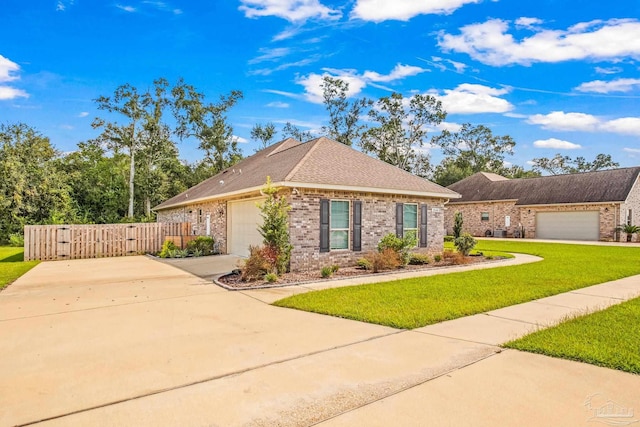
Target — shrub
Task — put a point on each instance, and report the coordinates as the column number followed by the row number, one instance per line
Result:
column 418, row 259
column 465, row 243
column 326, row 272
column 271, row 277
column 167, row 247
column 455, row 258
column 335, row 268
column 457, row 225
column 437, row 258
column 401, row 246
column 387, row 259
column 177, row 253
column 202, row 244
column 275, row 225
column 16, row 240
column 449, row 238
column 364, row 264
column 197, row 252
column 256, row 266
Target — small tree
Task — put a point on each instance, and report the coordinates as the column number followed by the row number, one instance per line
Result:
column 465, row 243
column 275, row 227
column 457, row 225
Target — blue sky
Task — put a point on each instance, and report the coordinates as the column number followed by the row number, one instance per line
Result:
column 559, row 76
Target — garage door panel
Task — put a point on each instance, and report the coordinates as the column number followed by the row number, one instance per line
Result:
column 583, row 225
column 244, row 219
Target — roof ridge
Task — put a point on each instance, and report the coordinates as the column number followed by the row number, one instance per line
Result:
column 284, row 143
column 296, row 168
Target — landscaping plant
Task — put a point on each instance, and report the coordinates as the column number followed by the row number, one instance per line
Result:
column 629, row 230
column 275, row 227
column 167, row 248
column 400, row 245
column 202, row 245
column 457, row 225
column 326, row 272
column 257, row 265
column 465, row 243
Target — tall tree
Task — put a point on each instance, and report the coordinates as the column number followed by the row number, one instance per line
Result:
column 402, row 130
column 263, row 134
column 345, row 125
column 475, row 148
column 143, row 114
column 292, row 131
column 560, row 164
column 32, row 188
column 207, row 122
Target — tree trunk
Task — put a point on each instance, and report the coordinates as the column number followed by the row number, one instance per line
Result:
column 132, row 173
column 147, row 206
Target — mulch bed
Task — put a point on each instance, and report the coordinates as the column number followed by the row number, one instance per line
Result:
column 233, row 280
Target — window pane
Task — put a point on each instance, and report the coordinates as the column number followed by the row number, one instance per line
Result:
column 339, row 214
column 410, row 216
column 484, row 216
column 339, row 240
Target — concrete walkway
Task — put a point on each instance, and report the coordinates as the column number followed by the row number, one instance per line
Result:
column 130, row 341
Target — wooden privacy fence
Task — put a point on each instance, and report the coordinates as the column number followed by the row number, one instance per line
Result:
column 59, row 242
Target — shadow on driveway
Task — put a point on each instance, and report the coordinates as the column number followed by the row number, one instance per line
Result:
column 206, row 267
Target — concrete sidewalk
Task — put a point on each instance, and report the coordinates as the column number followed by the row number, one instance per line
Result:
column 192, row 354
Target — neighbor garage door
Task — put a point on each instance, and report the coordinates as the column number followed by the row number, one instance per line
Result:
column 568, row 225
column 244, row 219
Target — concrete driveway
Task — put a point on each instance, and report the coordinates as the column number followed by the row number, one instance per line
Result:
column 132, row 341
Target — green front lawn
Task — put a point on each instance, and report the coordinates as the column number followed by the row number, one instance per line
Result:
column 12, row 265
column 609, row 338
column 412, row 303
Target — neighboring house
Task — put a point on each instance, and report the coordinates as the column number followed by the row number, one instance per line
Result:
column 342, row 203
column 584, row 206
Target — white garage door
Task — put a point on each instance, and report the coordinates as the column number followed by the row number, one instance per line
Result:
column 568, row 225
column 244, row 219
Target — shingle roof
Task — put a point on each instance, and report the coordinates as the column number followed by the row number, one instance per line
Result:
column 320, row 163
column 591, row 187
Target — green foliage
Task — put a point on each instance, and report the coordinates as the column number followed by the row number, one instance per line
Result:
column 434, row 299
column 202, row 244
column 401, row 246
column 167, row 247
column 16, row 240
column 449, row 239
column 418, row 259
column 257, row 265
column 385, row 259
column 263, row 134
column 560, row 164
column 457, row 225
column 275, row 226
column 437, row 258
column 465, row 243
column 292, row 131
column 629, row 230
column 326, row 272
column 12, row 265
column 335, row 268
column 607, row 338
column 271, row 277
column 365, row 264
column 345, row 125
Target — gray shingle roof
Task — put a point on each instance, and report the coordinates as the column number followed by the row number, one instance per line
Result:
column 320, row 163
column 591, row 187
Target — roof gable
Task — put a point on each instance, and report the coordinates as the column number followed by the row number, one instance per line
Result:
column 611, row 185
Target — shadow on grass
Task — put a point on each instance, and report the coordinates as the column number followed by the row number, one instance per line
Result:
column 19, row 257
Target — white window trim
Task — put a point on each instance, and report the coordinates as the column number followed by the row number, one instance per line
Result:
column 348, row 229
column 404, row 217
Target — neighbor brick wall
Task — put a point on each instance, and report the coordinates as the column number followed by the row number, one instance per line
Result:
column 378, row 219
column 471, row 217
column 607, row 217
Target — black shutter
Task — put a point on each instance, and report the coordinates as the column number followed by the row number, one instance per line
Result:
column 324, row 225
column 357, row 226
column 423, row 225
column 399, row 219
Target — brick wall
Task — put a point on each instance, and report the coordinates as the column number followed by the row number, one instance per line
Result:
column 633, row 203
column 378, row 219
column 473, row 223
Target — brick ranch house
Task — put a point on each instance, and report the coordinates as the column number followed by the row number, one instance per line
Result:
column 343, row 202
column 584, row 206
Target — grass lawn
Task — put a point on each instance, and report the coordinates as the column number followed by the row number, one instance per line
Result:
column 12, row 265
column 412, row 303
column 609, row 338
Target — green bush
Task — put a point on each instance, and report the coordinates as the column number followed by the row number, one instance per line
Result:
column 178, row 253
column 202, row 244
column 335, row 268
column 401, row 246
column 16, row 240
column 271, row 277
column 326, row 272
column 275, row 225
column 437, row 258
column 167, row 247
column 457, row 225
column 418, row 259
column 364, row 264
column 465, row 243
column 449, row 238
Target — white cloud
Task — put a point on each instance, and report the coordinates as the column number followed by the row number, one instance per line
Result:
column 632, row 150
column 62, row 5
column 270, row 54
column 8, row 70
column 473, row 98
column 557, row 144
column 450, row 126
column 83, row 114
column 399, row 72
column 404, row 10
column 617, row 85
column 240, row 140
column 291, row 10
column 529, row 23
column 490, row 42
column 559, row 120
column 278, row 104
column 624, row 125
column 126, row 8
column 312, row 82
column 608, row 70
